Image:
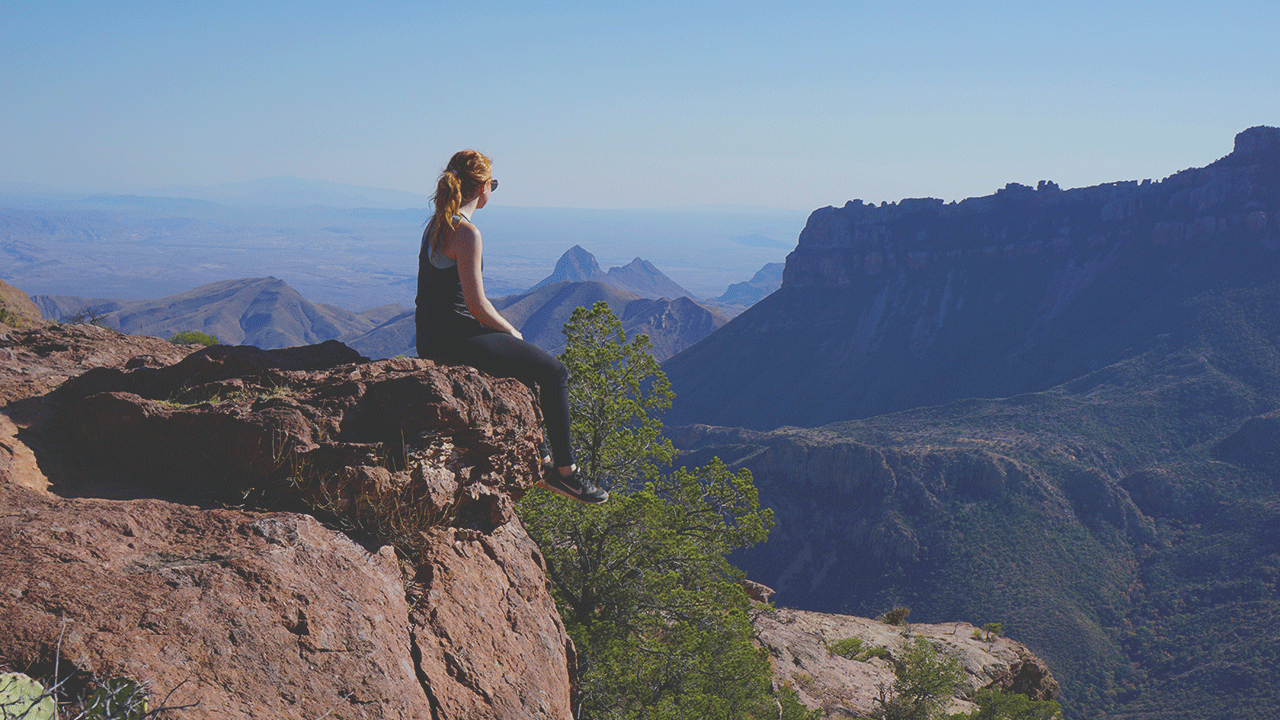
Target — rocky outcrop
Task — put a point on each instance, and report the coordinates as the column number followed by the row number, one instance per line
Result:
column 923, row 302
column 841, row 245
column 416, row 594
column 800, row 645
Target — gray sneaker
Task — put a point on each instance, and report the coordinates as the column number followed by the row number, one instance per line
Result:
column 574, row 487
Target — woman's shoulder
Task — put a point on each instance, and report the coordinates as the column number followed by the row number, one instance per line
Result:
column 464, row 232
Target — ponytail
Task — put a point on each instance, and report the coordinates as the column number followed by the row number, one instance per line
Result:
column 461, row 180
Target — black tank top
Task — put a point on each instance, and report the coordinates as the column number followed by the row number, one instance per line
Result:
column 441, row 316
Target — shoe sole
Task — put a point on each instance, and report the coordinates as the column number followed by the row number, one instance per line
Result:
column 565, row 493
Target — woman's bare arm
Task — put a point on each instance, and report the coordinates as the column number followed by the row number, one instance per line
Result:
column 467, row 249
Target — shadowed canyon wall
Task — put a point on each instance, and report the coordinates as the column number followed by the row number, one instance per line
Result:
column 923, row 302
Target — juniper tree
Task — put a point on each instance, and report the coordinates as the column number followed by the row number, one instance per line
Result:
column 643, row 583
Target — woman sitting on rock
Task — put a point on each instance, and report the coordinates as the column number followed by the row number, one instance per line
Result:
column 457, row 324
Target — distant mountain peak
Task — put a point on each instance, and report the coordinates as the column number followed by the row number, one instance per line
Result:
column 638, row 276
column 642, row 278
column 575, row 265
column 765, row 281
column 578, row 259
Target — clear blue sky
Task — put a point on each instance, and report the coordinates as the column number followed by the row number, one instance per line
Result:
column 633, row 104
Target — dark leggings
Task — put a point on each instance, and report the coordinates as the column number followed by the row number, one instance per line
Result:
column 503, row 355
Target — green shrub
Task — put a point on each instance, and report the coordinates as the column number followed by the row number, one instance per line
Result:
column 996, row 705
column 924, row 683
column 118, row 699
column 853, row 649
column 896, row 616
column 193, row 337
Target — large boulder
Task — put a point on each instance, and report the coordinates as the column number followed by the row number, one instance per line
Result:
column 390, row 579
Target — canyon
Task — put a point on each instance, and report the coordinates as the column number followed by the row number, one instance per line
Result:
column 1050, row 408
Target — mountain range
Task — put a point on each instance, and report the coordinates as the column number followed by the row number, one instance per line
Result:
column 264, row 312
column 1052, row 409
column 268, row 313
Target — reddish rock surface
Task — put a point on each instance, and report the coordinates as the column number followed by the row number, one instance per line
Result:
column 248, row 615
column 119, row 530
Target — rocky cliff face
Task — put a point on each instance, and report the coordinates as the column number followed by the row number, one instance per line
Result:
column 921, row 302
column 127, row 551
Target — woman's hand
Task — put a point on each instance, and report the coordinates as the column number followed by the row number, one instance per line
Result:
column 516, row 333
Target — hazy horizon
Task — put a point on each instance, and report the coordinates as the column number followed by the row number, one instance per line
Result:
column 132, row 247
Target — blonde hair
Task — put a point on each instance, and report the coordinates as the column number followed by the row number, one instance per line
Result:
column 461, row 180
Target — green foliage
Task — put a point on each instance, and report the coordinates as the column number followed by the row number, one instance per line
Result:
column 924, row 683
column 790, row 707
column 854, row 649
column 996, row 705
column 23, row 697
column 660, row 620
column 849, row 648
column 193, row 337
column 118, row 699
column 616, row 393
column 993, row 631
column 659, row 617
column 896, row 616
column 926, row 677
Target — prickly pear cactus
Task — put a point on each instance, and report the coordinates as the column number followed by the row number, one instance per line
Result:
column 22, row 697
column 117, row 699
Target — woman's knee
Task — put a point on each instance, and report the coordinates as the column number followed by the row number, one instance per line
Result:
column 558, row 372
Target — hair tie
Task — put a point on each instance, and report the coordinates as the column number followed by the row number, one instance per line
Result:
column 452, row 172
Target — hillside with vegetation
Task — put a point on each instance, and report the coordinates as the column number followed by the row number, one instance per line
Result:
column 1094, row 465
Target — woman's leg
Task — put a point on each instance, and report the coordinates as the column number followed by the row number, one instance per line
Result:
column 503, row 355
